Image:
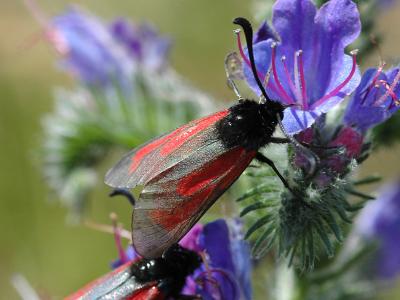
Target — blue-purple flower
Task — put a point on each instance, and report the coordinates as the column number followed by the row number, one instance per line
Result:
column 228, row 274
column 100, row 54
column 380, row 221
column 226, row 271
column 143, row 43
column 302, row 61
column 375, row 99
column 91, row 52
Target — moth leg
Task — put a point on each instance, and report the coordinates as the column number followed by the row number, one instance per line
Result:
column 188, row 297
column 278, row 140
column 124, row 192
column 260, row 157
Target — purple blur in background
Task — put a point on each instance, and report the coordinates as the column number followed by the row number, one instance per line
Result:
column 380, row 221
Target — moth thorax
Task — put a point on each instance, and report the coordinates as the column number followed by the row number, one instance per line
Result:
column 249, row 125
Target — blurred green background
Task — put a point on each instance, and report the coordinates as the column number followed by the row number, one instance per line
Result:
column 35, row 240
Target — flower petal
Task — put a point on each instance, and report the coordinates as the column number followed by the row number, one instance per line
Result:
column 92, row 53
column 240, row 250
column 361, row 111
column 337, row 25
column 379, row 220
column 296, row 120
column 294, row 22
column 191, row 239
column 265, row 32
column 262, row 57
column 214, row 235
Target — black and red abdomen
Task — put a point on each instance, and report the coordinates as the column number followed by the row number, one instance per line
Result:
column 249, row 124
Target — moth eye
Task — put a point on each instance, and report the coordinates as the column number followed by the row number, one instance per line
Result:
column 238, row 117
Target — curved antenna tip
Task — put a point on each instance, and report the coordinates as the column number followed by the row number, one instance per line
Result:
column 123, row 192
column 241, row 21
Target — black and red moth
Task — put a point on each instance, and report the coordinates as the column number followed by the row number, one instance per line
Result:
column 146, row 279
column 185, row 171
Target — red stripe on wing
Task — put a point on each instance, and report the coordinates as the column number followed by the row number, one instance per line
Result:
column 137, row 158
column 182, row 136
column 149, row 293
column 176, row 138
column 201, row 184
column 199, row 179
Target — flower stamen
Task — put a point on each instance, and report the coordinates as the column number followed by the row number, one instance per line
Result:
column 373, row 83
column 281, row 90
column 390, row 91
column 242, row 54
column 386, row 85
column 117, row 238
column 302, row 83
column 337, row 89
column 247, row 61
column 289, row 80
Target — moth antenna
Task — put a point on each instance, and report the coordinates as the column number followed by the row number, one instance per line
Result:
column 123, row 192
column 248, row 33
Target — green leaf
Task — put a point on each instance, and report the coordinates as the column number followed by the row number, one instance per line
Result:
column 259, row 223
column 325, row 238
column 333, row 225
column 252, row 207
column 359, row 194
column 368, row 180
column 262, row 188
column 264, row 242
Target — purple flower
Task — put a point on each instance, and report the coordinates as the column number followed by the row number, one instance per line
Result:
column 143, row 43
column 335, row 155
column 351, row 141
column 227, row 273
column 191, row 239
column 306, row 67
column 103, row 55
column 124, row 256
column 375, row 99
column 380, row 220
column 90, row 51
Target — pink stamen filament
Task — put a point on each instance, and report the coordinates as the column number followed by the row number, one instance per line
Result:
column 386, row 85
column 267, row 81
column 289, row 80
column 50, row 33
column 336, row 90
column 299, row 56
column 117, row 238
column 373, row 83
column 390, row 91
column 281, row 90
